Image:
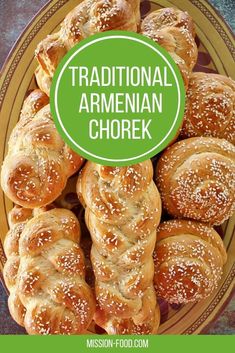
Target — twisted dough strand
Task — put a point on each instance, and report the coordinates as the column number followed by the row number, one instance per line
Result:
column 196, row 179
column 123, row 210
column 210, row 108
column 49, row 278
column 89, row 17
column 173, row 30
column 17, row 218
column 189, row 257
column 38, row 163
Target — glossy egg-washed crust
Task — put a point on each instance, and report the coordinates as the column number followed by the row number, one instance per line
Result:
column 45, row 272
column 87, row 18
column 123, row 209
column 45, row 268
column 38, row 163
column 189, row 258
column 210, row 107
column 43, row 81
column 173, row 30
column 196, row 179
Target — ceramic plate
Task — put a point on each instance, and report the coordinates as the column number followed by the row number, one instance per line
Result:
column 216, row 54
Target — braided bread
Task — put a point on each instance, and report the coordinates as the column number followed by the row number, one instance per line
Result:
column 173, row 30
column 38, row 163
column 17, row 218
column 123, row 209
column 89, row 17
column 210, row 109
column 45, row 273
column 196, row 179
column 43, row 80
column 189, row 258
column 184, row 70
column 118, row 326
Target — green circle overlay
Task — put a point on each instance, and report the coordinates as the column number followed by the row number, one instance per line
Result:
column 112, row 49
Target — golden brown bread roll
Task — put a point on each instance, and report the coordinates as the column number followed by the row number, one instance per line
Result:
column 17, row 218
column 89, row 17
column 123, row 209
column 43, row 80
column 210, row 107
column 196, row 179
column 38, row 163
column 189, row 258
column 184, row 70
column 45, row 273
column 173, row 30
column 118, row 326
column 168, row 17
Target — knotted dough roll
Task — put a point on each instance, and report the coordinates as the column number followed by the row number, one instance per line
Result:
column 17, row 219
column 174, row 30
column 189, row 258
column 210, row 107
column 196, row 179
column 45, row 273
column 38, row 163
column 87, row 18
column 43, row 81
column 123, row 209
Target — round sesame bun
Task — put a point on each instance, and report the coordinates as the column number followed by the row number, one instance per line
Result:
column 189, row 258
column 210, row 107
column 196, row 179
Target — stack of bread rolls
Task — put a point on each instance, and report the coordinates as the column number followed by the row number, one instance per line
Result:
column 134, row 259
